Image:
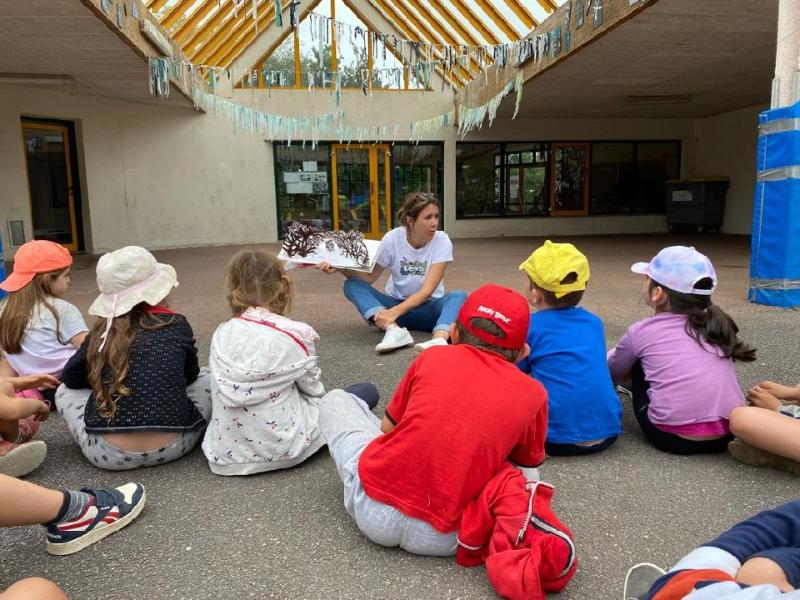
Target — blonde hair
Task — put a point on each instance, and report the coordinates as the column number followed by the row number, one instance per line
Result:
column 414, row 204
column 18, row 310
column 115, row 354
column 257, row 278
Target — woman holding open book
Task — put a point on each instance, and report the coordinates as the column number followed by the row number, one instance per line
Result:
column 416, row 254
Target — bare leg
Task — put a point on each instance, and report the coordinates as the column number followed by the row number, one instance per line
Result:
column 34, row 588
column 761, row 570
column 23, row 503
column 768, row 430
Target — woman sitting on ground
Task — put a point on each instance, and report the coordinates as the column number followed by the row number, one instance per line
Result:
column 416, row 254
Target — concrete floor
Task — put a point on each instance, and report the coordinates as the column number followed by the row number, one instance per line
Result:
column 286, row 534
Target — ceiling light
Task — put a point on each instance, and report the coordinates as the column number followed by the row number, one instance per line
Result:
column 36, row 78
column 657, row 99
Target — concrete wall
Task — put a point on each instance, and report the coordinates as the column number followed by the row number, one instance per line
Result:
column 168, row 177
column 726, row 145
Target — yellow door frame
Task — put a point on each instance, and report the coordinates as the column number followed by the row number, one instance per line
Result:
column 64, row 130
column 374, row 232
column 585, row 173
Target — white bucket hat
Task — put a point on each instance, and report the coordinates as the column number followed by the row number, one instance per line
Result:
column 127, row 277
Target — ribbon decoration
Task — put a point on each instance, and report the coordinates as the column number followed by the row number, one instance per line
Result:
column 278, row 14
column 329, row 125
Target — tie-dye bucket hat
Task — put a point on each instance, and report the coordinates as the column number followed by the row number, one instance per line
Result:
column 679, row 268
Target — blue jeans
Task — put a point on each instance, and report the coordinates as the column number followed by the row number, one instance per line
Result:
column 435, row 315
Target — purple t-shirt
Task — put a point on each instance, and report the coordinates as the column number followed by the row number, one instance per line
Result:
column 689, row 383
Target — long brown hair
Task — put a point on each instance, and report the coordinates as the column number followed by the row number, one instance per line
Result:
column 257, row 278
column 113, row 358
column 18, row 307
column 414, row 203
column 707, row 321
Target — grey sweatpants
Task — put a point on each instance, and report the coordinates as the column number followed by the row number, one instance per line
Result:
column 348, row 426
column 71, row 405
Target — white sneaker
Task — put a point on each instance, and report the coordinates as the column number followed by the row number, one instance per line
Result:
column 437, row 341
column 396, row 337
column 17, row 460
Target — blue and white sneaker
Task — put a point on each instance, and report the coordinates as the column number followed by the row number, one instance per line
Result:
column 108, row 511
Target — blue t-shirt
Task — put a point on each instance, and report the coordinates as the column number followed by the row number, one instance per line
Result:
column 568, row 355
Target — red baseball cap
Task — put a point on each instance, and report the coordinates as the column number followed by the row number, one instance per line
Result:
column 505, row 308
column 36, row 256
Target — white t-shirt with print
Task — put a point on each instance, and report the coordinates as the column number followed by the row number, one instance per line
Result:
column 42, row 352
column 408, row 266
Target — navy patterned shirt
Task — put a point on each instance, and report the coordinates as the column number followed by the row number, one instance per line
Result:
column 161, row 364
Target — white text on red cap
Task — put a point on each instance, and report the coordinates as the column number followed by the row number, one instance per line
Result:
column 493, row 313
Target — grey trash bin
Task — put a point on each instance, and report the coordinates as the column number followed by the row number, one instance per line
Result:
column 697, row 204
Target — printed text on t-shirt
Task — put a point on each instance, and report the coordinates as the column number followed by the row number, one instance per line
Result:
column 413, row 267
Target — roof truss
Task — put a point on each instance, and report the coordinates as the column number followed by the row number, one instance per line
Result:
column 217, row 32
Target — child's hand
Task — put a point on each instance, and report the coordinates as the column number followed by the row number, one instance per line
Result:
column 784, row 392
column 39, row 380
column 326, row 267
column 41, row 411
column 762, row 398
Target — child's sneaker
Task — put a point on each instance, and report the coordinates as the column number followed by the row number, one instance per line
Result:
column 640, row 579
column 395, row 337
column 108, row 511
column 17, row 460
column 437, row 341
column 750, row 455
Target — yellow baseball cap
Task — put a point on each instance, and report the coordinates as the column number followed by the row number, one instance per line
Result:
column 550, row 263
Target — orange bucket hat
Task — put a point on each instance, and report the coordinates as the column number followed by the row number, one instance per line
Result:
column 36, row 256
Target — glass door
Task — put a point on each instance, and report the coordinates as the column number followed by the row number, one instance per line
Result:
column 47, row 155
column 570, row 179
column 362, row 198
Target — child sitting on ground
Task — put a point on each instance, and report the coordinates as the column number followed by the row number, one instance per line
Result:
column 756, row 559
column 39, row 331
column 568, row 354
column 146, row 404
column 768, row 432
column 681, row 361
column 459, row 413
column 265, row 382
column 18, row 454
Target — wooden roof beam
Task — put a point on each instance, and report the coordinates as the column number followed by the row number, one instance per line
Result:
column 523, row 14
column 156, row 5
column 548, row 5
column 450, row 80
column 227, row 34
column 465, row 11
column 499, row 20
column 175, row 13
column 443, row 31
column 201, row 35
column 420, row 28
column 189, row 25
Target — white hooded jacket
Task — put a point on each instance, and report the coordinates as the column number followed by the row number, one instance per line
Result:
column 265, row 391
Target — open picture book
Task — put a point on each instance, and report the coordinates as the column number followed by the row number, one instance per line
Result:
column 305, row 245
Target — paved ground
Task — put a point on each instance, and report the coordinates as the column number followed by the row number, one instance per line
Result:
column 286, row 535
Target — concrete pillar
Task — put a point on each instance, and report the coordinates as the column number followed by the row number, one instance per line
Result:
column 786, row 86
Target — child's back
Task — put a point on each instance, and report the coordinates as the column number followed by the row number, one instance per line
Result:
column 265, row 383
column 690, row 381
column 568, row 355
column 460, row 413
column 264, row 386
